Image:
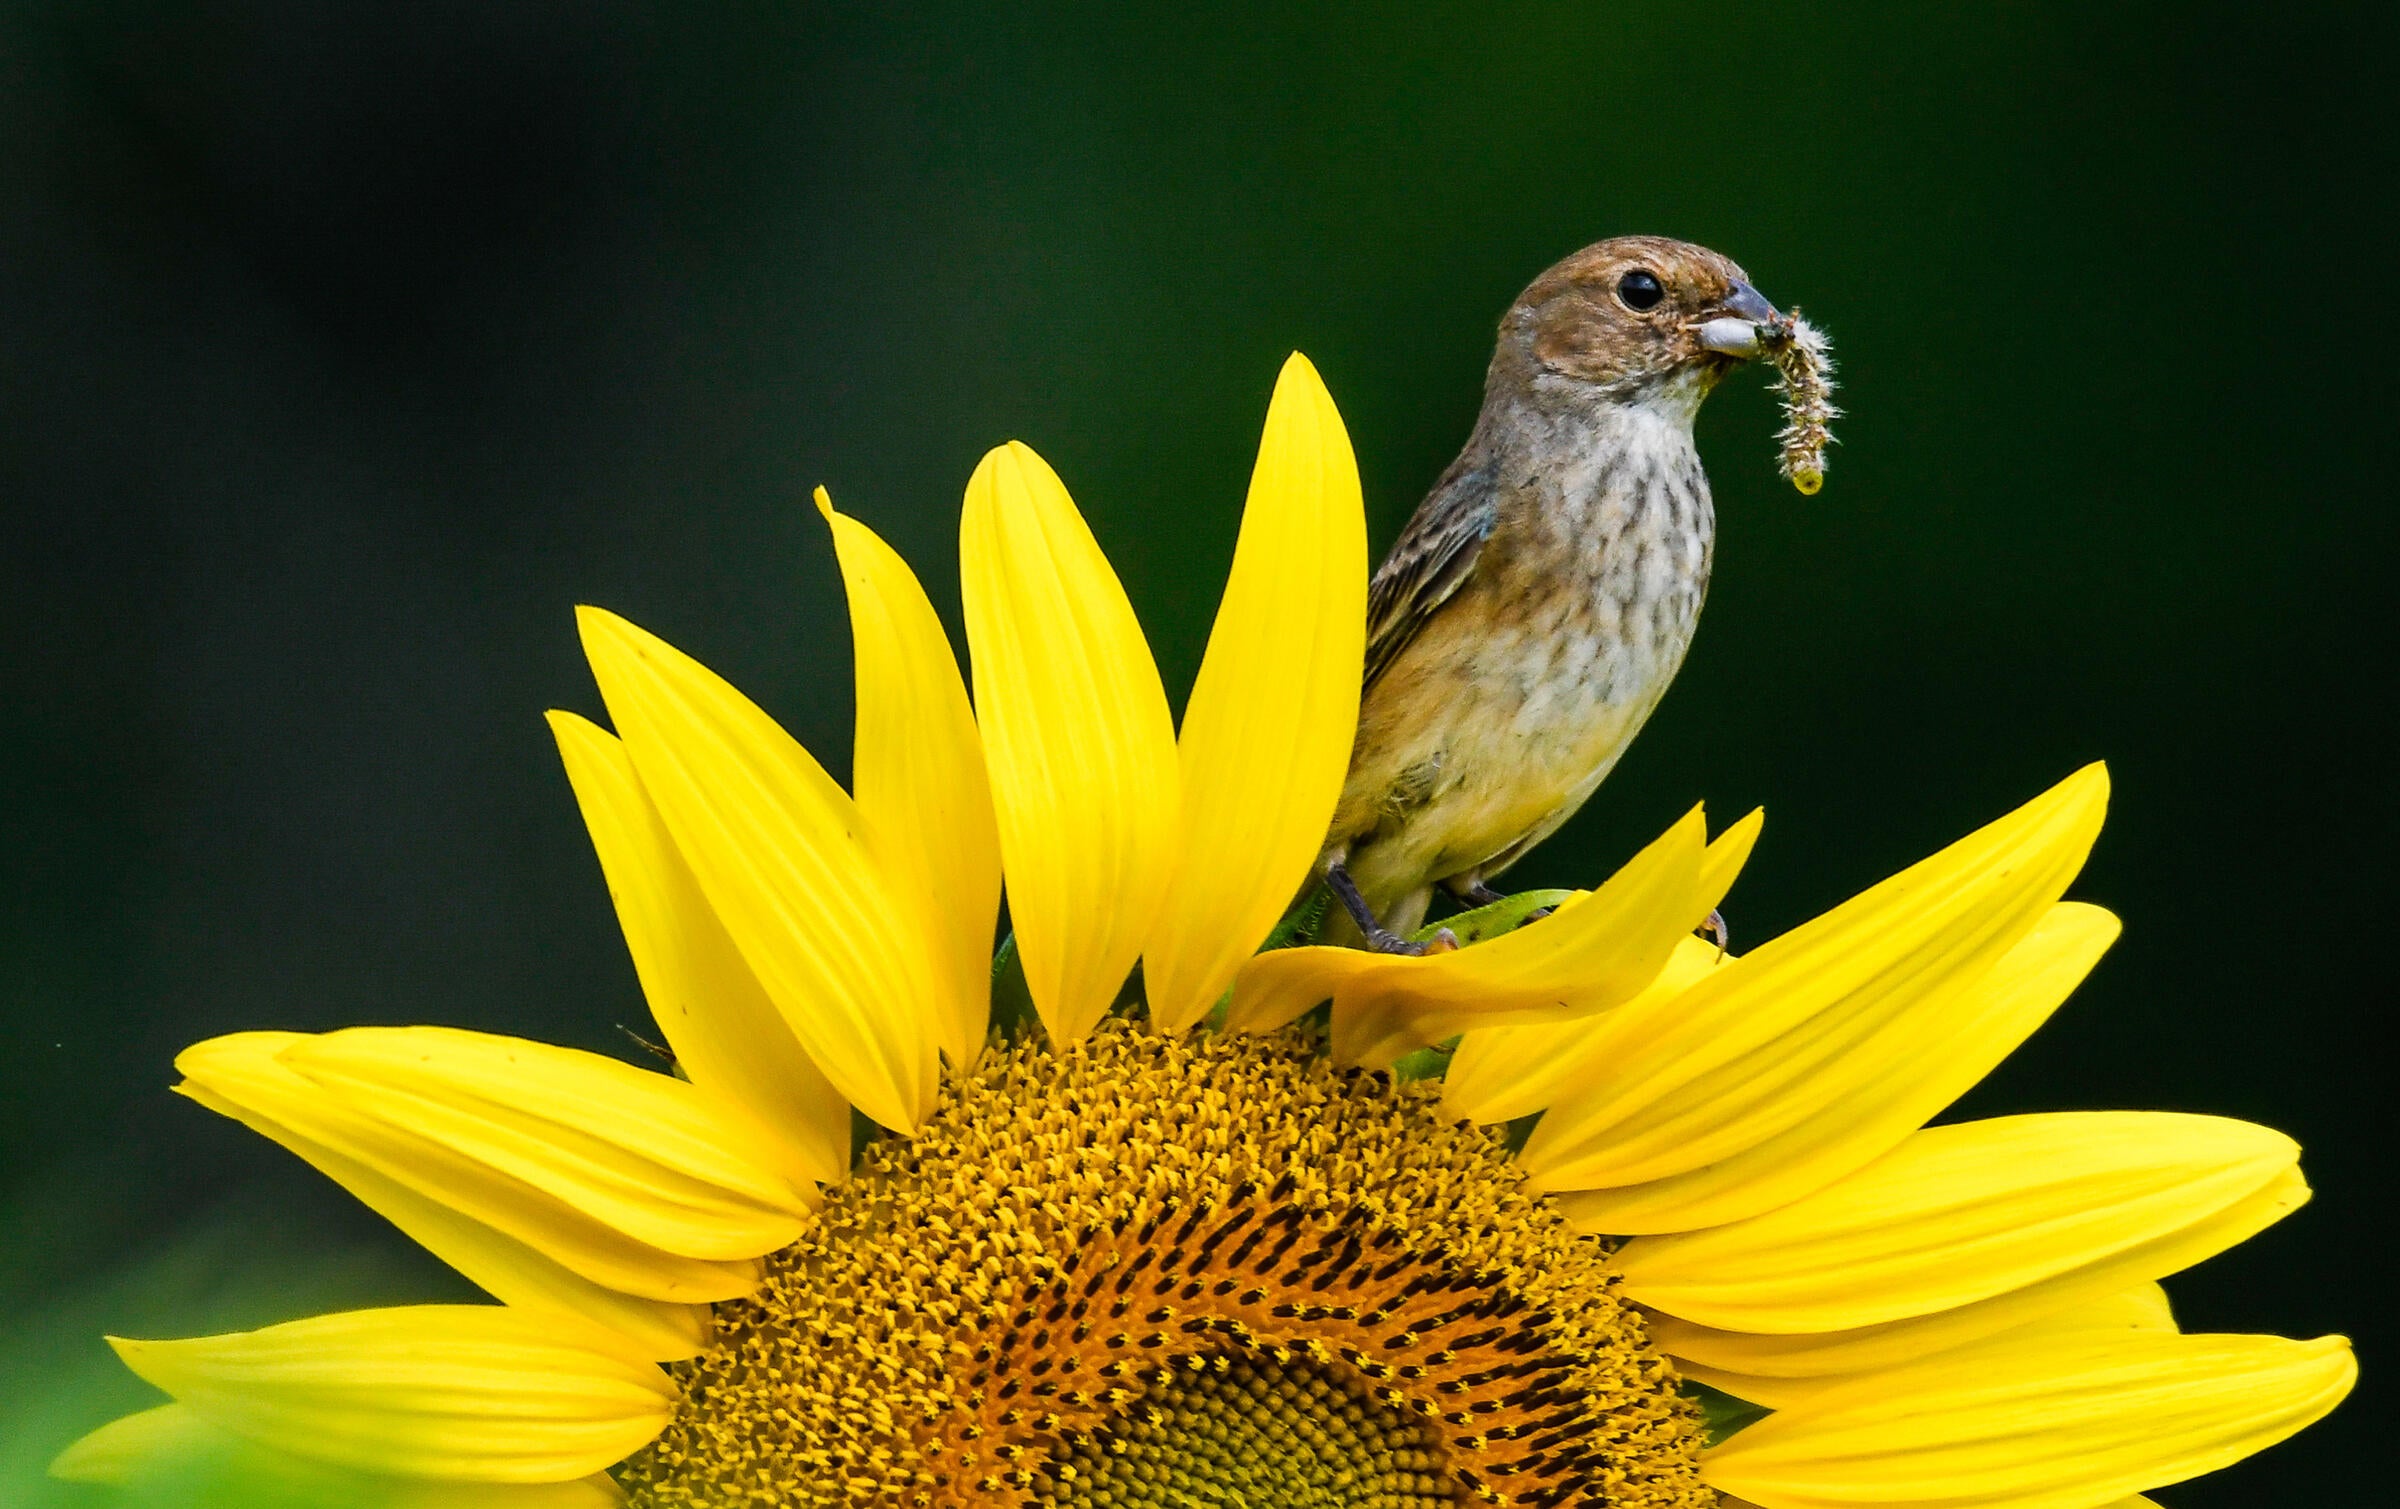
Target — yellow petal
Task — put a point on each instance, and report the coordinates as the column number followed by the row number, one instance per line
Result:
column 727, row 1036
column 780, row 853
column 648, row 1154
column 1727, row 853
column 1266, row 737
column 2144, row 1307
column 173, row 1448
column 503, row 1266
column 128, row 1450
column 2134, row 1501
column 1778, row 1036
column 1957, row 1214
column 1752, row 1388
column 2141, row 1308
column 2046, row 1426
column 1894, row 1343
column 919, row 778
column 479, row 1393
column 1895, row 1081
column 1501, row 1073
column 528, row 1200
column 1595, row 951
column 1076, row 735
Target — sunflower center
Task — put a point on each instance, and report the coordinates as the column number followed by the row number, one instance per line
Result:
column 1201, row 1273
column 1230, row 1429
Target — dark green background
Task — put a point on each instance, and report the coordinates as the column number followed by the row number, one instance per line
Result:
column 343, row 348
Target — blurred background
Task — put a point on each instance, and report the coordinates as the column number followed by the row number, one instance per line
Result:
column 343, row 348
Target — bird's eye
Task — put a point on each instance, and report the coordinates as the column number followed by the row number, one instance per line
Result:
column 1640, row 289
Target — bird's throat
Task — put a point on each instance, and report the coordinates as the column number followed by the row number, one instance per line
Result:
column 1612, row 495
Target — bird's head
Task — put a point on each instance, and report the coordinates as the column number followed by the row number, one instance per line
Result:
column 1634, row 319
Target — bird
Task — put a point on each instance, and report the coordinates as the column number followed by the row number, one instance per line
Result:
column 1537, row 604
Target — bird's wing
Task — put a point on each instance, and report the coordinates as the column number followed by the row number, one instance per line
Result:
column 1432, row 558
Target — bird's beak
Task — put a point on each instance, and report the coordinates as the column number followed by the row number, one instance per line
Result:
column 1733, row 330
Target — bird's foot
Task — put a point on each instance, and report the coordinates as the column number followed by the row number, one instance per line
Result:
column 1714, row 926
column 1385, row 941
column 1379, row 938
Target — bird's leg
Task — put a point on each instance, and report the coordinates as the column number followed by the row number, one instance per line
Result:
column 1379, row 938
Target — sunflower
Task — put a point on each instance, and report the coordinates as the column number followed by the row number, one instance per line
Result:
column 1586, row 1211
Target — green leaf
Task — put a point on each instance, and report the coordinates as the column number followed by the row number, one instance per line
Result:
column 1503, row 916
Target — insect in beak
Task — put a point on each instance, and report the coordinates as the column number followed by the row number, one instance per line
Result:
column 1749, row 327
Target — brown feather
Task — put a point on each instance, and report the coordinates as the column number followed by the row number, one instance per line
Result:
column 1541, row 597
column 1433, row 555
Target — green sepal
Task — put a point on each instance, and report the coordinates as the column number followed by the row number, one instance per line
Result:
column 1425, row 1063
column 1721, row 1414
column 1298, row 927
column 865, row 1132
column 1013, row 1015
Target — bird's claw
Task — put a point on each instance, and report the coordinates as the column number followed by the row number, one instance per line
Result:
column 1385, row 941
column 1714, row 926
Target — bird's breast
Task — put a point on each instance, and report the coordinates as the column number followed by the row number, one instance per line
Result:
column 1519, row 694
column 1533, row 678
column 1598, row 594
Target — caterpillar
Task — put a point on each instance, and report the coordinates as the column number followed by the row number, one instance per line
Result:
column 1803, row 360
